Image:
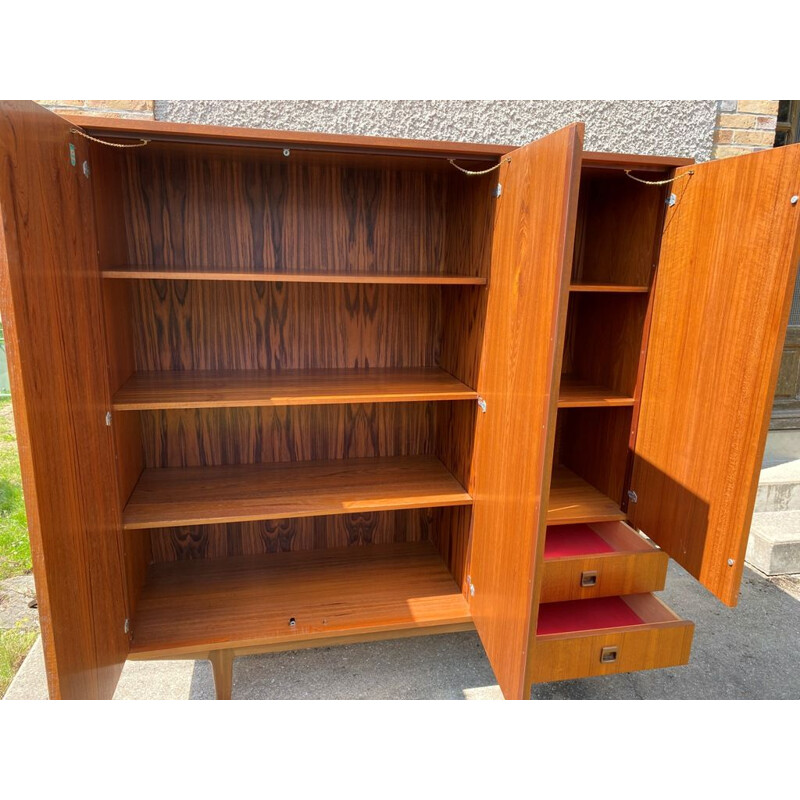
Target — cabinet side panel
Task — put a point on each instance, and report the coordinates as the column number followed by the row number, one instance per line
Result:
column 53, row 318
column 722, row 294
column 531, row 259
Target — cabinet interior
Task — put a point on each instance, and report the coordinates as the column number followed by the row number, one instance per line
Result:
column 605, row 341
column 294, row 344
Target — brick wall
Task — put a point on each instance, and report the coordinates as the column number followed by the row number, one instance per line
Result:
column 130, row 109
column 744, row 126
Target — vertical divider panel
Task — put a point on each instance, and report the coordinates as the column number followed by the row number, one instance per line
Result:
column 519, row 378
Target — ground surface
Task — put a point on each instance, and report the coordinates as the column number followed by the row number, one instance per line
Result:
column 19, row 623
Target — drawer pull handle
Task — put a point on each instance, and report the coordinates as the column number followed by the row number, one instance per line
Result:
column 589, row 578
column 608, row 655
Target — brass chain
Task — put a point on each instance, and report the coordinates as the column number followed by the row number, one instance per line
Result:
column 658, row 183
column 499, row 164
column 140, row 143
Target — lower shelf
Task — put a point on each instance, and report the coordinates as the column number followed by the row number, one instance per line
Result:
column 574, row 500
column 188, row 606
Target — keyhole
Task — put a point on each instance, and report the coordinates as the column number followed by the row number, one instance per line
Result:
column 292, row 622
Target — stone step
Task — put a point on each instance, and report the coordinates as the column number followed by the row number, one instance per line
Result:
column 779, row 487
column 774, row 543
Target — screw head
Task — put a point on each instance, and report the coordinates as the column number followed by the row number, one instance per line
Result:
column 286, row 152
column 794, row 200
column 731, row 562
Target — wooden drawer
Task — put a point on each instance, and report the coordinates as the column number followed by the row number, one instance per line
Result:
column 600, row 559
column 605, row 636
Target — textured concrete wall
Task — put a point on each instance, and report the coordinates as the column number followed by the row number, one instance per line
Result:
column 655, row 127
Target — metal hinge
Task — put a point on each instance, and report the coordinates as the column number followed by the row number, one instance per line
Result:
column 86, row 170
column 108, row 419
column 72, row 158
column 482, row 404
column 127, row 627
column 498, row 190
column 471, row 586
column 672, row 199
column 632, row 496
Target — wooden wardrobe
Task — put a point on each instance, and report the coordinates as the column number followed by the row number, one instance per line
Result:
column 278, row 390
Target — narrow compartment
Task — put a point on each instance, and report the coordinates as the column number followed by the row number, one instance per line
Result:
column 590, row 465
column 616, row 233
column 602, row 349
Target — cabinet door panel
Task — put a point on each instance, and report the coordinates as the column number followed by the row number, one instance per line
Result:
column 52, row 318
column 723, row 289
column 531, row 261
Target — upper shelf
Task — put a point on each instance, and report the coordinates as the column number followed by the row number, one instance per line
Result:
column 607, row 287
column 238, row 389
column 172, row 497
column 309, row 276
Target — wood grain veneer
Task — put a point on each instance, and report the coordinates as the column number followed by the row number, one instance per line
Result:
column 200, row 495
column 531, row 256
column 288, row 534
column 306, row 276
column 632, row 566
column 577, row 393
column 203, row 325
column 728, row 263
column 662, row 640
column 604, row 339
column 572, row 499
column 52, row 309
column 242, row 388
column 240, row 602
column 614, row 234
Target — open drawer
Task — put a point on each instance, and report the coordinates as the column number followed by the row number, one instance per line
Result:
column 599, row 559
column 604, row 636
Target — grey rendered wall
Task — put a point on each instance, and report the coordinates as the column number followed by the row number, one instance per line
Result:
column 653, row 127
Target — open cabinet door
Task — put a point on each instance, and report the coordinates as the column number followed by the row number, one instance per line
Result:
column 52, row 320
column 528, row 285
column 722, row 295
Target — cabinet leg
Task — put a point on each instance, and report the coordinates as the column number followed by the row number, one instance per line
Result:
column 222, row 664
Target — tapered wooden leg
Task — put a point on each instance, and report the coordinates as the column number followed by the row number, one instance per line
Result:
column 222, row 664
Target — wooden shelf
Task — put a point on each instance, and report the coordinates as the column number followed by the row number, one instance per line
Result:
column 228, row 389
column 309, row 276
column 575, row 393
column 172, row 497
column 573, row 500
column 243, row 601
column 608, row 287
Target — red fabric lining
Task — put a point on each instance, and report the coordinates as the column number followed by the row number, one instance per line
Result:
column 574, row 540
column 580, row 615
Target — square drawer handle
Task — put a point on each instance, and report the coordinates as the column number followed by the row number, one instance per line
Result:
column 608, row 655
column 589, row 578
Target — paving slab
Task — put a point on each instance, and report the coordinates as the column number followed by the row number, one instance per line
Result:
column 16, row 595
column 751, row 651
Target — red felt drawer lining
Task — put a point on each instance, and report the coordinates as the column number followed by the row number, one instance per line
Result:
column 581, row 615
column 574, row 540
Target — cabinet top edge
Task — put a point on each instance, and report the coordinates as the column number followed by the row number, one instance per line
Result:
column 236, row 136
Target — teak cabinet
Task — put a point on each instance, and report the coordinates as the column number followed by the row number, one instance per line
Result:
column 276, row 390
